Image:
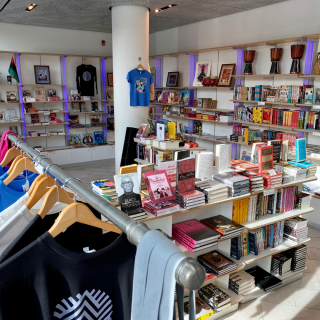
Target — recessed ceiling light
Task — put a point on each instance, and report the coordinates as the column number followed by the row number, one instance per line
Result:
column 164, row 8
column 170, row 5
column 156, row 11
column 31, row 7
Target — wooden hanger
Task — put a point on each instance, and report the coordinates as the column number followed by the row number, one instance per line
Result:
column 35, row 182
column 79, row 212
column 84, row 61
column 10, row 155
column 14, row 163
column 54, row 195
column 140, row 66
column 19, row 167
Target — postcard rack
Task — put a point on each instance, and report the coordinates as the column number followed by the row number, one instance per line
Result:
column 189, row 273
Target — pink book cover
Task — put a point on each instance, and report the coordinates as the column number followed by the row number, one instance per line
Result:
column 157, row 208
column 158, row 185
column 190, row 194
column 182, row 239
column 171, row 168
column 186, row 175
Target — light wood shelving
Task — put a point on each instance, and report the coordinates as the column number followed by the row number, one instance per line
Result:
column 8, row 123
column 46, row 111
column 46, row 125
column 88, row 112
column 210, row 110
column 49, row 136
column 43, row 84
column 189, row 118
column 273, row 103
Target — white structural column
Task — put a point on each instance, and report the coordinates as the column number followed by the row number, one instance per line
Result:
column 130, row 40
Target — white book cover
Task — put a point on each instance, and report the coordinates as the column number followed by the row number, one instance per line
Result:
column 223, row 157
column 204, row 165
column 171, row 168
column 160, row 131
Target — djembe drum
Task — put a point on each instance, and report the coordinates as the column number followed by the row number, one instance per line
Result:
column 296, row 55
column 275, row 54
column 248, row 59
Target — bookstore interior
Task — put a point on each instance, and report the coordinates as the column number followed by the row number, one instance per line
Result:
column 160, row 151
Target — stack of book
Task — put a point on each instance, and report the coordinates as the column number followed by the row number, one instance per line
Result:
column 256, row 241
column 241, row 165
column 190, row 199
column 217, row 263
column 213, row 190
column 241, row 282
column 281, row 264
column 103, row 187
column 273, row 181
column 203, row 311
column 286, row 199
column 255, row 179
column 311, row 167
column 237, row 185
column 215, row 297
column 240, row 210
column 240, row 246
column 253, row 207
column 299, row 257
column 194, row 235
column 297, row 172
column 303, row 201
column 263, row 279
column 296, row 229
column 226, row 227
column 161, row 208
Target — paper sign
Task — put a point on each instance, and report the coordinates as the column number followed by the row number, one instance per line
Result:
column 261, row 103
column 267, row 192
column 316, row 133
column 316, row 106
column 46, row 113
column 272, row 172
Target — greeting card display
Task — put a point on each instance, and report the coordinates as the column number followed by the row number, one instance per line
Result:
column 158, row 185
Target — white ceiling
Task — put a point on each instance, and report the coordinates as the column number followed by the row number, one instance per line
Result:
column 94, row 15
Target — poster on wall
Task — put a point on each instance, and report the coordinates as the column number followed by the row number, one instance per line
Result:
column 203, row 69
column 153, row 73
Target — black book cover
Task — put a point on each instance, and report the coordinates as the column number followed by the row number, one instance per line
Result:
column 222, row 224
column 263, row 279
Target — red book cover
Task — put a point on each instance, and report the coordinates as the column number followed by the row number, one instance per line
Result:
column 165, row 96
column 186, row 175
column 266, row 115
column 265, row 159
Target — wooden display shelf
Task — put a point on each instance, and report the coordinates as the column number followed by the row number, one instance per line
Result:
column 273, row 103
column 52, row 149
column 273, row 218
column 46, row 112
column 211, row 140
column 239, row 142
column 312, row 195
column 264, row 76
column 40, row 85
column 142, row 161
column 285, row 245
column 63, row 101
column 211, row 110
column 8, row 85
column 189, row 118
column 166, row 104
column 46, row 125
column 312, row 76
column 230, row 199
column 308, row 157
column 271, row 126
column 10, row 122
column 100, row 126
column 88, row 112
column 89, row 101
column 192, row 88
column 50, row 136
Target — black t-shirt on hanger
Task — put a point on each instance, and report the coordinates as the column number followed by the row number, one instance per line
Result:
column 55, row 279
column 38, row 226
column 86, row 77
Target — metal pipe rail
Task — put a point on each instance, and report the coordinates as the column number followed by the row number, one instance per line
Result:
column 189, row 274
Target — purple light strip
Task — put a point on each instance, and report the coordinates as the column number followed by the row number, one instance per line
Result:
column 192, row 72
column 158, row 84
column 104, row 93
column 21, row 97
column 308, row 62
column 65, row 93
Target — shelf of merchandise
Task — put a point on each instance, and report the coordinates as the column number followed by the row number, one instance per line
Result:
column 308, row 157
column 46, row 125
column 63, row 101
column 230, row 199
column 100, row 126
column 8, row 85
column 265, row 76
column 189, row 118
column 176, row 149
column 210, row 110
column 273, row 103
column 192, row 88
column 211, row 140
column 312, row 195
column 285, row 245
column 88, row 112
column 49, row 136
column 239, row 142
column 61, row 111
column 42, row 84
column 10, row 122
column 142, row 161
column 88, row 101
column 271, row 126
column 273, row 218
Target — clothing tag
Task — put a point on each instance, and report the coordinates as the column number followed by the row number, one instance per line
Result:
column 261, row 103
column 272, row 172
column 26, row 186
column 267, row 192
column 86, row 250
column 39, row 168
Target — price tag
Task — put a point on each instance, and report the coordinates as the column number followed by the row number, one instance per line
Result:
column 164, row 116
column 316, row 106
column 46, row 113
column 261, row 103
column 244, row 153
column 272, row 172
column 267, row 192
column 316, row 133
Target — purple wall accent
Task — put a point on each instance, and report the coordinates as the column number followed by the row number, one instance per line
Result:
column 158, row 84
column 239, row 66
column 23, row 125
column 192, row 72
column 65, row 93
column 104, row 94
column 308, row 61
column 234, row 149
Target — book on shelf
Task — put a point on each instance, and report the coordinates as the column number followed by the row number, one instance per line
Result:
column 109, row 95
column 241, row 282
column 141, row 169
column 204, row 165
column 35, row 118
column 40, row 94
column 75, row 140
column 87, row 138
column 161, row 208
column 223, row 157
column 98, row 137
column 215, row 297
column 203, row 311
column 94, row 106
column 263, row 279
column 171, row 168
column 185, row 175
column 103, row 186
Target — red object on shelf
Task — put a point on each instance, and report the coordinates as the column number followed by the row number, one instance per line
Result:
column 191, row 145
column 192, row 115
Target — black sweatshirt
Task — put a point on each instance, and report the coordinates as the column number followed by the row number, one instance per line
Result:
column 86, row 77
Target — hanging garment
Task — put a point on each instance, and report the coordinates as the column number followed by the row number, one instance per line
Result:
column 3, row 170
column 8, row 196
column 4, row 144
column 22, row 228
column 74, row 278
column 86, row 77
column 154, row 277
column 20, row 183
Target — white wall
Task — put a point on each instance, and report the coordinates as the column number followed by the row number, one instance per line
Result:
column 23, row 38
column 283, row 20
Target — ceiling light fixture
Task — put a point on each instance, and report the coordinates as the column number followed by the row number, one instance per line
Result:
column 164, row 8
column 31, row 7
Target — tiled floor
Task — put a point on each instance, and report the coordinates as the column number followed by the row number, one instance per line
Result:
column 299, row 300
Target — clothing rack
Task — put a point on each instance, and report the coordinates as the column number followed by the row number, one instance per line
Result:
column 189, row 273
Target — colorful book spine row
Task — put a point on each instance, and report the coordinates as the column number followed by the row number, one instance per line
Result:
column 239, row 210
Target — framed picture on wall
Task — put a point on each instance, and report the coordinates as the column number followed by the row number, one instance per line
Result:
column 42, row 74
column 153, row 73
column 172, row 80
column 225, row 75
column 203, row 69
column 110, row 79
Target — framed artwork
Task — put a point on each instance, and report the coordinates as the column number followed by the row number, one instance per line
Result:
column 203, row 69
column 42, row 74
column 110, row 79
column 172, row 80
column 225, row 75
column 153, row 73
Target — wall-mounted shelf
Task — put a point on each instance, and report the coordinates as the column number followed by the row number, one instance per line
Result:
column 189, row 118
column 46, row 125
column 265, row 76
column 100, row 126
column 8, row 85
column 44, row 112
column 10, row 122
column 272, row 103
column 201, row 138
column 43, row 84
column 63, row 101
column 88, row 112
column 49, row 136
column 210, row 110
column 192, row 88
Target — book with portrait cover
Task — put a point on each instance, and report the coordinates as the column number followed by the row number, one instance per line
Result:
column 215, row 261
column 159, row 186
column 222, row 224
column 186, row 175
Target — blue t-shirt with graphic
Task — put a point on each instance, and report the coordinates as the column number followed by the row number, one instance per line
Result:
column 140, row 81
